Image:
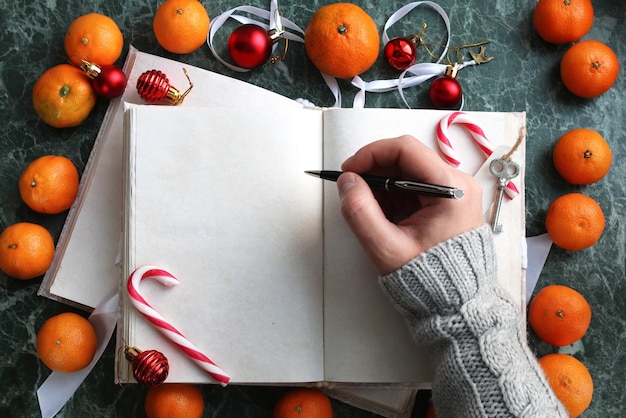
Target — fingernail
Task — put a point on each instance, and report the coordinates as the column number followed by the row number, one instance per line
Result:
column 345, row 183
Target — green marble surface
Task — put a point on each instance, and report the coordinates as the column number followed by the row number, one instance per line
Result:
column 523, row 76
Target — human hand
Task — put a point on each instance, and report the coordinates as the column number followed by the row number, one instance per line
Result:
column 393, row 228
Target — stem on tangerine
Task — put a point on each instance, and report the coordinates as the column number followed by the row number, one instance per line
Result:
column 342, row 29
column 587, row 154
column 64, row 91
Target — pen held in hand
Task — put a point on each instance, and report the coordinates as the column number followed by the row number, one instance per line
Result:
column 395, row 185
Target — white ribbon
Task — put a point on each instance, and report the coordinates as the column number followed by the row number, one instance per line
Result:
column 538, row 248
column 411, row 77
column 59, row 387
column 420, row 72
column 276, row 21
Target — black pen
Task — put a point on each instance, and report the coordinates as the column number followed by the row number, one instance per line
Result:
column 406, row 186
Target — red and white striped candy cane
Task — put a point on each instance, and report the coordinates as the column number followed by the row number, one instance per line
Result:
column 450, row 155
column 167, row 329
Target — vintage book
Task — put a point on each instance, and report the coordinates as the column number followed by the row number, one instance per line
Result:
column 274, row 287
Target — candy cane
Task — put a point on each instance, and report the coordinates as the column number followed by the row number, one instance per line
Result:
column 167, row 329
column 450, row 155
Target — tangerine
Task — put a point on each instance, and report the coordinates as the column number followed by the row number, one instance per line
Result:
column 570, row 380
column 66, row 342
column 49, row 184
column 26, row 250
column 342, row 40
column 563, row 21
column 303, row 403
column 181, row 400
column 181, row 26
column 63, row 96
column 589, row 68
column 574, row 221
column 93, row 37
column 559, row 315
column 582, row 156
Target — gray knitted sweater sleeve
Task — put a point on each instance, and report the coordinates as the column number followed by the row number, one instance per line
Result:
column 452, row 303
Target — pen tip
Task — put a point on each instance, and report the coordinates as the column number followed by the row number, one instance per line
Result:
column 313, row 173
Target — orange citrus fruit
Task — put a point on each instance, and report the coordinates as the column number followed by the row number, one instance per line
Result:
column 589, row 68
column 563, row 21
column 342, row 40
column 303, row 403
column 570, row 380
column 93, row 37
column 181, row 26
column 181, row 400
column 26, row 250
column 582, row 156
column 63, row 96
column 559, row 315
column 574, row 221
column 66, row 342
column 49, row 184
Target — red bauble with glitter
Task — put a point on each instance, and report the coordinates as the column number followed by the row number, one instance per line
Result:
column 400, row 53
column 250, row 46
column 446, row 91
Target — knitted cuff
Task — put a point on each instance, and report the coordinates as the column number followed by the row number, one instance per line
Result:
column 446, row 276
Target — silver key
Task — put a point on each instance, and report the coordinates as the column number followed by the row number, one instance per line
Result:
column 504, row 171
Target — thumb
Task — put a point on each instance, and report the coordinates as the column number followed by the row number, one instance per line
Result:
column 366, row 219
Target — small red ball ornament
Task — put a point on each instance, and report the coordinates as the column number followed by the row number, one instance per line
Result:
column 149, row 367
column 250, row 46
column 401, row 53
column 446, row 91
column 107, row 80
column 154, row 86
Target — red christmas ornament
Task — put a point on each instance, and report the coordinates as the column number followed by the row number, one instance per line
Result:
column 149, row 367
column 250, row 46
column 154, row 86
column 401, row 53
column 446, row 91
column 107, row 80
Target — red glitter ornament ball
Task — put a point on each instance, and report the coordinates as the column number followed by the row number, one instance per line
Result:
column 400, row 53
column 446, row 92
column 250, row 46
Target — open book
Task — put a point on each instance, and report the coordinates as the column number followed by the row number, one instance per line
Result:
column 86, row 266
column 274, row 287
